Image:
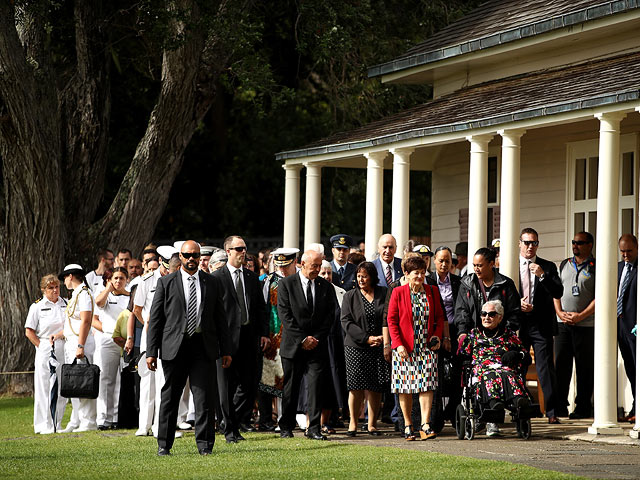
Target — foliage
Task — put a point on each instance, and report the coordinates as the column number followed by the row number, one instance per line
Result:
column 116, row 454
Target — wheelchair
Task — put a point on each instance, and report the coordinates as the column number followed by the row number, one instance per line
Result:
column 471, row 413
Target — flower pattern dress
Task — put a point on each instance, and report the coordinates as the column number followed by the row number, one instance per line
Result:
column 492, row 379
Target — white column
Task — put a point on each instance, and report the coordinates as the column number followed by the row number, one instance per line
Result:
column 312, row 204
column 400, row 199
column 635, row 432
column 510, row 203
column 478, row 176
column 373, row 218
column 291, row 235
column 606, row 351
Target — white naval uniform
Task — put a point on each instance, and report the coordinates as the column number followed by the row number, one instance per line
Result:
column 46, row 318
column 83, row 415
column 144, row 297
column 95, row 282
column 107, row 357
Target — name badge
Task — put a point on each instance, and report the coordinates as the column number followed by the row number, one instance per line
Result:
column 575, row 290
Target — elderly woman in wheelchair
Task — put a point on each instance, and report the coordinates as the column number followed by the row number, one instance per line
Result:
column 493, row 379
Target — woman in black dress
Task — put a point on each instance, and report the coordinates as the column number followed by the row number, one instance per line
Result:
column 362, row 311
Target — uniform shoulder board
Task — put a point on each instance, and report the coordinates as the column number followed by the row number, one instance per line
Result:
column 147, row 276
column 65, row 301
column 84, row 287
column 38, row 300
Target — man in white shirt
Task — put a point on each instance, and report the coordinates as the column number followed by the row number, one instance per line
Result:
column 105, row 259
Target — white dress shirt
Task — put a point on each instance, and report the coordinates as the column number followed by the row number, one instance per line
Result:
column 233, row 270
column 532, row 276
column 185, row 286
column 305, row 281
column 385, row 266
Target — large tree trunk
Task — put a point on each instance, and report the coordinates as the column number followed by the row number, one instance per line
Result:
column 53, row 146
column 32, row 235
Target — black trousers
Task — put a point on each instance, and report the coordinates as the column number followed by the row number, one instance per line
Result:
column 238, row 384
column 627, row 346
column 313, row 363
column 577, row 343
column 543, row 349
column 191, row 363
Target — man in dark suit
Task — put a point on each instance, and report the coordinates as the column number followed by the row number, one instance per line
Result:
column 306, row 307
column 626, row 311
column 246, row 315
column 344, row 273
column 187, row 329
column 388, row 266
column 539, row 285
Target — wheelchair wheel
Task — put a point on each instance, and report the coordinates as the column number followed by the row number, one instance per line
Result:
column 523, row 427
column 461, row 418
column 470, row 428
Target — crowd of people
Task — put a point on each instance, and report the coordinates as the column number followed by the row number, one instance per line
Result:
column 199, row 337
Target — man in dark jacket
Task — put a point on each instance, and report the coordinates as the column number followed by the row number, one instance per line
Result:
column 485, row 284
column 539, row 285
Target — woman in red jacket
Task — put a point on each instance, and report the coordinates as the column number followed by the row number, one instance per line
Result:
column 416, row 323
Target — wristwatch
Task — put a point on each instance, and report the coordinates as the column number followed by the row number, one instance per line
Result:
column 80, row 345
column 129, row 338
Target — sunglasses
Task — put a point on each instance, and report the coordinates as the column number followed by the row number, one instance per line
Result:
column 189, row 255
column 578, row 242
column 238, row 249
column 529, row 243
column 488, row 314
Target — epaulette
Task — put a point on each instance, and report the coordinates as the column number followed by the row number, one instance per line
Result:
column 147, row 275
column 38, row 300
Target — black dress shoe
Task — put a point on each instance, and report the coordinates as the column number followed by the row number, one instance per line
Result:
column 315, row 436
column 231, row 438
column 554, row 420
column 163, row 452
column 247, row 427
column 239, row 437
column 204, row 452
column 266, row 427
column 375, row 433
column 286, row 434
column 351, row 433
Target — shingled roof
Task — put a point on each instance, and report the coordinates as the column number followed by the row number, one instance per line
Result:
column 501, row 21
column 537, row 94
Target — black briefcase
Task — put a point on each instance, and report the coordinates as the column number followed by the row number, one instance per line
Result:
column 79, row 380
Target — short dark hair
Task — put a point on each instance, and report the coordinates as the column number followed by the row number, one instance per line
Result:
column 229, row 240
column 629, row 236
column 371, row 270
column 588, row 235
column 102, row 252
column 356, row 258
column 415, row 263
column 125, row 250
column 441, row 248
column 528, row 230
column 488, row 254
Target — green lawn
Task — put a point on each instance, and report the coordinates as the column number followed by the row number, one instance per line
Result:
column 120, row 455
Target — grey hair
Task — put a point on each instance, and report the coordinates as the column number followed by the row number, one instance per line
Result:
column 316, row 247
column 497, row 304
column 325, row 264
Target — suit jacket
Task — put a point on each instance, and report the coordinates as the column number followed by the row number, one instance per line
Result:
column 354, row 318
column 298, row 322
column 348, row 280
column 397, row 268
column 543, row 314
column 630, row 299
column 168, row 318
column 256, row 307
column 455, row 283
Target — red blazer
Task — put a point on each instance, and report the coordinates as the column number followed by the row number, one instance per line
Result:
column 400, row 316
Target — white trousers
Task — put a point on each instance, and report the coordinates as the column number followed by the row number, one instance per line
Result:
column 83, row 413
column 42, row 420
column 158, row 395
column 186, row 409
column 147, row 399
column 107, row 357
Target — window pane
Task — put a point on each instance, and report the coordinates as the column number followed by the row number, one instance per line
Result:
column 627, row 176
column 578, row 223
column 627, row 220
column 492, row 186
column 581, row 173
column 593, row 177
column 591, row 228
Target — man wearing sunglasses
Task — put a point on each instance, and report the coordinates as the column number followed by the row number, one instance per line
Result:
column 539, row 285
column 187, row 329
column 575, row 338
column 248, row 324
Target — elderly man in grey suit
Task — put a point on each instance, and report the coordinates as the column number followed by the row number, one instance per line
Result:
column 388, row 266
column 188, row 331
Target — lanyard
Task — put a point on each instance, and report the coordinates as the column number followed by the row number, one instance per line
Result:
column 575, row 265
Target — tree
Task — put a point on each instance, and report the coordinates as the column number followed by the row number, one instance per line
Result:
column 55, row 105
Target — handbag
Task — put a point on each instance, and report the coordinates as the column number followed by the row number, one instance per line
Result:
column 79, row 380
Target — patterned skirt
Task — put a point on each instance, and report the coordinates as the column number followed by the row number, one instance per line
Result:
column 418, row 373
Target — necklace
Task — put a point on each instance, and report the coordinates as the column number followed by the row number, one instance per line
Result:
column 495, row 332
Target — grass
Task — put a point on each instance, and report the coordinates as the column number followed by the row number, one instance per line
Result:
column 119, row 454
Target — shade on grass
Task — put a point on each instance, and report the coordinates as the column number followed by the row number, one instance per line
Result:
column 117, row 455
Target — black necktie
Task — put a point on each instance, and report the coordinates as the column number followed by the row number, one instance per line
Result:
column 309, row 296
column 341, row 272
column 192, row 307
column 625, row 285
column 244, row 318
